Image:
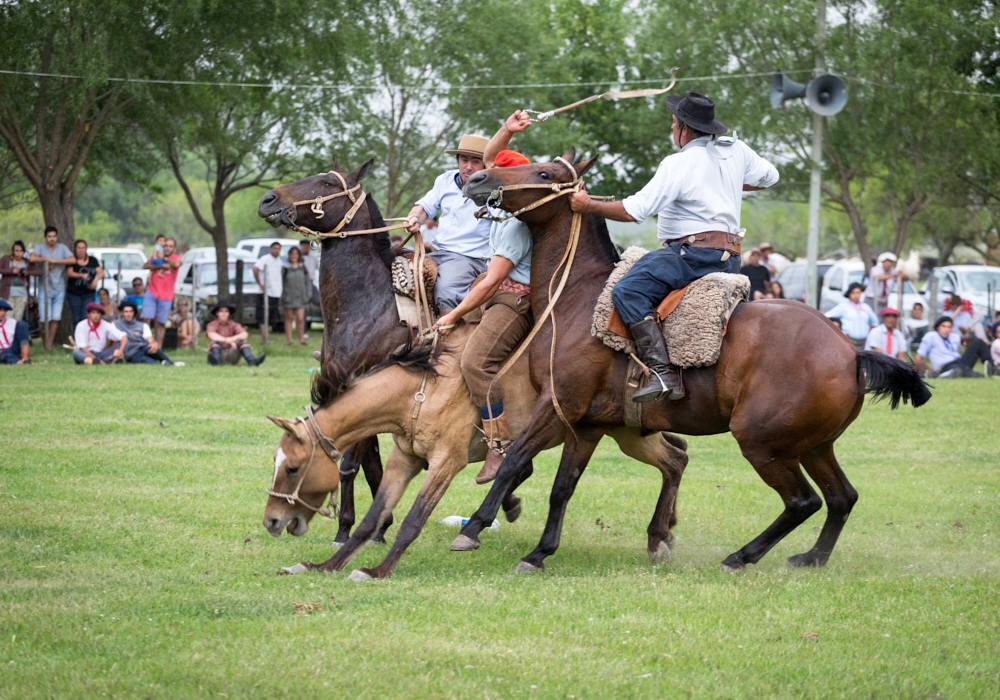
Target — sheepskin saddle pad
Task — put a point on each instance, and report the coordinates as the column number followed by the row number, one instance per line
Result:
column 402, row 276
column 694, row 318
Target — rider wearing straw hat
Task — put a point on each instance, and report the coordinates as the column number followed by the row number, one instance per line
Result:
column 461, row 242
column 696, row 195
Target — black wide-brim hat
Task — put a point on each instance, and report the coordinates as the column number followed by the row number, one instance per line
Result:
column 697, row 111
column 854, row 285
column 223, row 305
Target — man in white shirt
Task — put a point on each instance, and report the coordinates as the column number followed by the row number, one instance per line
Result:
column 696, row 195
column 882, row 280
column 271, row 266
column 92, row 335
column 886, row 338
column 461, row 241
column 14, row 342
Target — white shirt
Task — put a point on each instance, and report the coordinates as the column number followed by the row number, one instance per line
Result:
column 700, row 189
column 458, row 231
column 311, row 262
column 96, row 340
column 877, row 339
column 7, row 335
column 883, row 288
column 272, row 268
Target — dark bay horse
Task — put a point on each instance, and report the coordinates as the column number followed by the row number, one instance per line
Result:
column 786, row 384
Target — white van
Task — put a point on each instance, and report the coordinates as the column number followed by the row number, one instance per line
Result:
column 131, row 261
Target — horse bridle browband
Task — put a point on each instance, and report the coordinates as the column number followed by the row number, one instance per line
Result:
column 318, row 439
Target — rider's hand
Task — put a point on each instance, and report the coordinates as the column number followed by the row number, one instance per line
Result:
column 443, row 323
column 580, row 201
column 412, row 225
column 518, row 121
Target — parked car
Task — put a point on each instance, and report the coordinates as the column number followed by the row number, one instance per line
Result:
column 258, row 247
column 971, row 282
column 132, row 261
column 198, row 275
column 793, row 278
column 843, row 273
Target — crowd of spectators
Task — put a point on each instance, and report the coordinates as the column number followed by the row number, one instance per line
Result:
column 760, row 270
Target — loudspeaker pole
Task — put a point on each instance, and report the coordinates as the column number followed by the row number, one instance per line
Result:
column 816, row 179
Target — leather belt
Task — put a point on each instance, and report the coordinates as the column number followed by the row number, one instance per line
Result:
column 719, row 240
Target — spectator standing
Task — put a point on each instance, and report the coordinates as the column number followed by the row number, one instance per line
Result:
column 83, row 274
column 186, row 324
column 765, row 259
column 856, row 317
column 887, row 338
column 14, row 273
column 138, row 293
column 296, row 290
column 104, row 299
column 142, row 348
column 159, row 295
column 59, row 256
column 882, row 279
column 272, row 267
column 758, row 274
column 93, row 335
column 311, row 259
column 941, row 349
column 226, row 333
column 15, row 345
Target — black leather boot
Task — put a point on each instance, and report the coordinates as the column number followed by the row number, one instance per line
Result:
column 215, row 356
column 664, row 380
column 251, row 360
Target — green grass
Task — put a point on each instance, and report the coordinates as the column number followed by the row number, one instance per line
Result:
column 133, row 562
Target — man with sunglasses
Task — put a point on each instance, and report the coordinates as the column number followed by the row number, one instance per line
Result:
column 138, row 292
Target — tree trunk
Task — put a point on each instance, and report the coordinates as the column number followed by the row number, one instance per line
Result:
column 57, row 210
column 221, row 241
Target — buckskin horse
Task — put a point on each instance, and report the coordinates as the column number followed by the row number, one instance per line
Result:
column 786, row 383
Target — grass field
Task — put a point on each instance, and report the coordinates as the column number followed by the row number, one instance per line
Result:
column 133, row 562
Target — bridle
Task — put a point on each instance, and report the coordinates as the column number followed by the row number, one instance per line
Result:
column 318, row 439
column 558, row 189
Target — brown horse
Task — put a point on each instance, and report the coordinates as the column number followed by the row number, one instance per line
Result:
column 786, row 384
column 440, row 434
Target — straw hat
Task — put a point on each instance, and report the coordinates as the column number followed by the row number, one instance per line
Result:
column 470, row 145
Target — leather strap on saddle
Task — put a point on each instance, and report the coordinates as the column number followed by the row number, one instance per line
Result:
column 718, row 240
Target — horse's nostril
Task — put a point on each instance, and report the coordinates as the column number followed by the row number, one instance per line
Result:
column 268, row 198
column 481, row 175
column 270, row 523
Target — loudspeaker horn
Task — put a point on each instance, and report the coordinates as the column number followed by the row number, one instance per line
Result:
column 783, row 88
column 825, row 95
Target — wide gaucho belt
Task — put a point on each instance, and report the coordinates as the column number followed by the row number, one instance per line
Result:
column 719, row 240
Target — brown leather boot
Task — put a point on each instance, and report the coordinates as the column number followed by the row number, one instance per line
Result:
column 664, row 380
column 497, row 439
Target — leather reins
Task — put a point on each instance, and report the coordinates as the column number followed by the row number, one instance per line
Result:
column 318, row 439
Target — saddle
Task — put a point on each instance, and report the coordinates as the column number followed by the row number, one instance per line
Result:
column 693, row 318
column 405, row 290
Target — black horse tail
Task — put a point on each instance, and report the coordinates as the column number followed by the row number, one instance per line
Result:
column 887, row 377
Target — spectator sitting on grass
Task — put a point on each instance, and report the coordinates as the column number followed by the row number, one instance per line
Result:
column 15, row 345
column 225, row 333
column 93, row 336
column 142, row 347
column 887, row 338
column 940, row 350
column 856, row 317
column 138, row 292
column 916, row 325
column 960, row 314
column 186, row 324
column 104, row 299
column 777, row 291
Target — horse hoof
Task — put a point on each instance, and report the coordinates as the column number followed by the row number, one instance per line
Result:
column 660, row 555
column 464, row 544
column 731, row 568
column 360, row 575
column 514, row 513
column 524, row 567
column 297, row 569
column 800, row 560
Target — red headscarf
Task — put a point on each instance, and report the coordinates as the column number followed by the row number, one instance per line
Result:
column 509, row 159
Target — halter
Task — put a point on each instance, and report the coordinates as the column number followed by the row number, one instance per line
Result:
column 558, row 190
column 318, row 439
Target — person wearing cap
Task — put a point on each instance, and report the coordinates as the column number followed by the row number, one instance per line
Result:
column 887, row 338
column 882, row 279
column 856, row 317
column 504, row 293
column 95, row 339
column 142, row 347
column 696, row 195
column 758, row 275
column 461, row 241
column 223, row 332
column 15, row 345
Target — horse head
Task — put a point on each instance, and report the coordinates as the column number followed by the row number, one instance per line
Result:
column 304, row 475
column 318, row 201
column 514, row 189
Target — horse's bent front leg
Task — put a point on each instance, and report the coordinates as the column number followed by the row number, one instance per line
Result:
column 439, row 476
column 371, row 462
column 511, row 503
column 542, row 429
column 350, row 463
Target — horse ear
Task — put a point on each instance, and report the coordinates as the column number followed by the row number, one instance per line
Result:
column 363, row 171
column 334, row 165
column 570, row 155
column 293, row 428
column 583, row 166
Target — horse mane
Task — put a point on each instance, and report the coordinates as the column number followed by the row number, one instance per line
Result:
column 382, row 240
column 607, row 246
column 415, row 355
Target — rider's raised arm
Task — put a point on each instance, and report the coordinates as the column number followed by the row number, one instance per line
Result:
column 518, row 121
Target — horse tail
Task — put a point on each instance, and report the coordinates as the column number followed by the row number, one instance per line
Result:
column 887, row 377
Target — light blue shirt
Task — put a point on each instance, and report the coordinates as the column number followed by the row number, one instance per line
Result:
column 940, row 351
column 57, row 273
column 855, row 321
column 458, row 231
column 511, row 239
